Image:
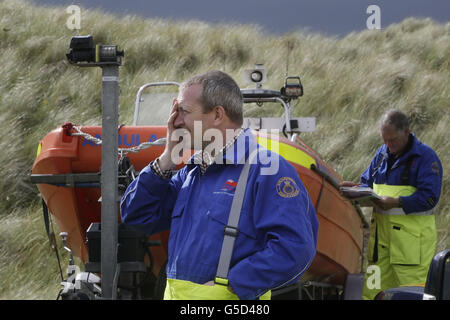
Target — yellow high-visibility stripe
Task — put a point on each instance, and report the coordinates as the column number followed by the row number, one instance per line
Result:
column 185, row 290
column 393, row 191
column 288, row 152
column 39, row 149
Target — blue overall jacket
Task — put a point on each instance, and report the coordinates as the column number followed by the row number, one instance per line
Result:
column 418, row 167
column 278, row 226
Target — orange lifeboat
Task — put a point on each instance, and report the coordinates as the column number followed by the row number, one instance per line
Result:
column 71, row 190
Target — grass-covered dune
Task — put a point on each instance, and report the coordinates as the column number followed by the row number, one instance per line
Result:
column 348, row 83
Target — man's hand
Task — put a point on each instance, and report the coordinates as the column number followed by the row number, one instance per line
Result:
column 165, row 159
column 387, row 203
column 347, row 184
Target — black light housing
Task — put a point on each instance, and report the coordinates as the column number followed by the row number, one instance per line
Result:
column 83, row 52
column 293, row 88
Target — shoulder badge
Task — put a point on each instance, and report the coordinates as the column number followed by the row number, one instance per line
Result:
column 287, row 188
column 435, row 168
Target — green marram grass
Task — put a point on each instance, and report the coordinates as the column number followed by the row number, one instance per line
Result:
column 348, row 83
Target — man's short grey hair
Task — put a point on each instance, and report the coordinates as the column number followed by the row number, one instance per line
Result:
column 396, row 118
column 219, row 89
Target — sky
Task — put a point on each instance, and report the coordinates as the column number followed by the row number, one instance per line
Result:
column 328, row 17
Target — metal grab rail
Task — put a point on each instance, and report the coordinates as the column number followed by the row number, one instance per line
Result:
column 287, row 112
column 139, row 94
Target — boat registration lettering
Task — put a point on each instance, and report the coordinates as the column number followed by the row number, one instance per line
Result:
column 123, row 140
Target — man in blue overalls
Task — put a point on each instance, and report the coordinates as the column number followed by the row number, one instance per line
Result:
column 407, row 174
column 276, row 236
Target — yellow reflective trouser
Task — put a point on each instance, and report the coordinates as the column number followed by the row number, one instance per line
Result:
column 401, row 246
column 186, row 290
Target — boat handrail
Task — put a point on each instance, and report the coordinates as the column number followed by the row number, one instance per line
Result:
column 139, row 94
column 249, row 96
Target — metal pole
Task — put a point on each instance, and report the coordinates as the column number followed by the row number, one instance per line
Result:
column 109, row 178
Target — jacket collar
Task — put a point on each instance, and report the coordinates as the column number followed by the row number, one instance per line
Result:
column 235, row 154
column 413, row 150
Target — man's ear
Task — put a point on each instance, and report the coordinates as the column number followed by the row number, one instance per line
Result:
column 219, row 114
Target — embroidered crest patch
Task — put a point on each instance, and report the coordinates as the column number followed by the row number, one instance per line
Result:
column 287, row 188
